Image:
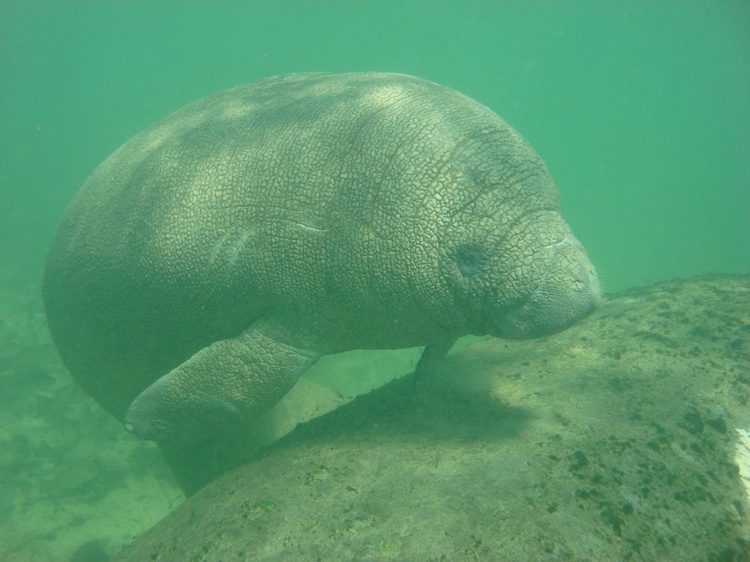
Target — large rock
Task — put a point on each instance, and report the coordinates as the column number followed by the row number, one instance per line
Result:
column 618, row 439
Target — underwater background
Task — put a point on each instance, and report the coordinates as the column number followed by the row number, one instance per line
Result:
column 640, row 109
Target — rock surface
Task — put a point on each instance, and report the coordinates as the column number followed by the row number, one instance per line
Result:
column 615, row 440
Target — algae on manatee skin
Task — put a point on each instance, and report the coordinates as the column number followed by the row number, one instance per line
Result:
column 618, row 439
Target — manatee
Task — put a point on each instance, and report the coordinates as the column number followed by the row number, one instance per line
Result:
column 214, row 257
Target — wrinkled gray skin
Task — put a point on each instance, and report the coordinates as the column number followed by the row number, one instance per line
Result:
column 217, row 255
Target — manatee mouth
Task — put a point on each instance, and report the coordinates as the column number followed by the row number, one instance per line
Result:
column 567, row 292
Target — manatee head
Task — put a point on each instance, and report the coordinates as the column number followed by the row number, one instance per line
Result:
column 518, row 270
column 530, row 290
column 552, row 285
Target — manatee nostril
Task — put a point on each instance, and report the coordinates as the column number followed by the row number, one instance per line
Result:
column 470, row 260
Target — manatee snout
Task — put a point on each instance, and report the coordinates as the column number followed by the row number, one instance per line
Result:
column 566, row 291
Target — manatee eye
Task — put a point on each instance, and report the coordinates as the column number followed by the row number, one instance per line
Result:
column 470, row 260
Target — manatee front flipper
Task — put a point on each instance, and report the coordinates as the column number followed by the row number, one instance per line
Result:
column 221, row 386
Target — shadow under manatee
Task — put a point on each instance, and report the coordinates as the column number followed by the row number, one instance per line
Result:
column 401, row 411
column 405, row 410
